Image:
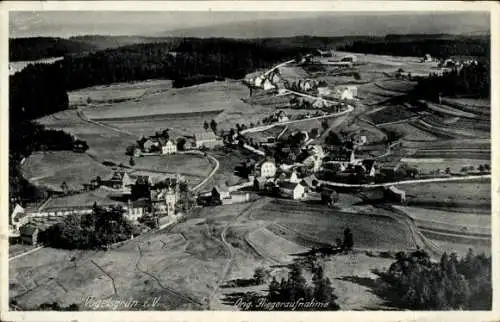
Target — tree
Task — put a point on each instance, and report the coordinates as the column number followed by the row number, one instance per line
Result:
column 324, row 125
column 130, row 150
column 480, row 168
column 348, row 240
column 213, row 126
column 333, row 139
column 64, row 188
column 323, row 291
column 260, row 275
column 205, row 125
column 181, row 143
column 314, row 133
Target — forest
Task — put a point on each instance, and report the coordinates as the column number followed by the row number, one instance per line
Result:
column 471, row 81
column 418, row 46
column 414, row 282
column 96, row 230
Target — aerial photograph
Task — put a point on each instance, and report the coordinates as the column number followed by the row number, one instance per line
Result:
column 249, row 161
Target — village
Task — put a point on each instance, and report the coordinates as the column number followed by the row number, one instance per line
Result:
column 294, row 164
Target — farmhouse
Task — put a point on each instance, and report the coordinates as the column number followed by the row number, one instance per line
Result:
column 206, row 139
column 29, row 234
column 324, row 91
column 150, row 145
column 266, row 169
column 163, row 200
column 268, row 85
column 137, row 208
column 345, row 92
column 369, row 167
column 168, row 147
column 18, row 217
column 220, row 193
column 294, row 190
column 236, row 197
column 118, row 180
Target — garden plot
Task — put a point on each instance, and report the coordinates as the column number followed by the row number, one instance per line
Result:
column 270, row 245
column 50, row 169
column 390, row 114
column 410, row 133
column 480, row 106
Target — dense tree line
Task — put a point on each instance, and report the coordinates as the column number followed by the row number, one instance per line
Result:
column 416, row 46
column 415, row 282
column 295, row 294
column 34, row 48
column 470, row 81
column 96, row 230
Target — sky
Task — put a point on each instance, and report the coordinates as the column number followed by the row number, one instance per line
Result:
column 234, row 24
column 68, row 23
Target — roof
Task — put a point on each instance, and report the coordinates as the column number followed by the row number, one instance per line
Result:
column 207, row 135
column 289, row 185
column 368, row 163
column 140, row 203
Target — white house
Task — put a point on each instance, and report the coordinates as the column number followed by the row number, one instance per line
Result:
column 324, row 91
column 19, row 217
column 268, row 85
column 345, row 92
column 267, row 169
column 294, row 177
column 168, row 147
column 292, row 190
column 259, row 80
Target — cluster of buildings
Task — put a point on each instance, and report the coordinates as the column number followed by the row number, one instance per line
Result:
column 155, row 144
column 269, row 81
column 161, row 145
column 157, row 197
column 341, row 92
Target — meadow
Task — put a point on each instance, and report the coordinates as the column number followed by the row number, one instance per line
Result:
column 50, row 169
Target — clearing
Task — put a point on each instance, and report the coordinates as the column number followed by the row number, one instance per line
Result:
column 51, row 168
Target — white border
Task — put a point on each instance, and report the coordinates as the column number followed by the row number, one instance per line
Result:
column 359, row 6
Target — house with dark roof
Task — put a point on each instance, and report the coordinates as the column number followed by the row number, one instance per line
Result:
column 293, row 190
column 369, row 167
column 118, row 180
